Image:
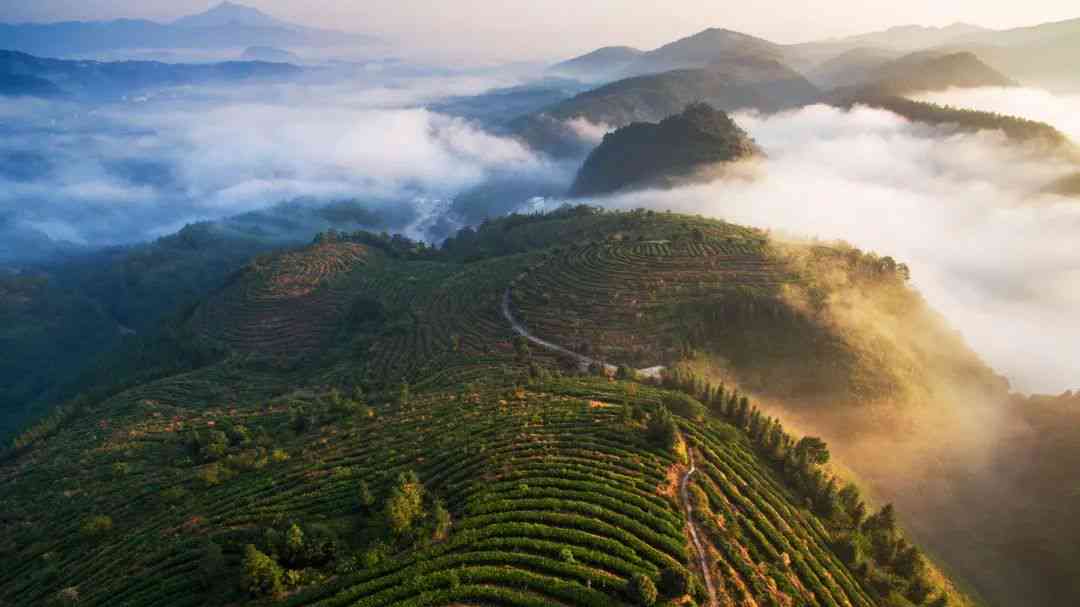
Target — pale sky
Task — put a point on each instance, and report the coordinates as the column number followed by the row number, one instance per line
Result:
column 547, row 29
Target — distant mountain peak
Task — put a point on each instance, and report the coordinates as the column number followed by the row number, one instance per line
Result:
column 230, row 13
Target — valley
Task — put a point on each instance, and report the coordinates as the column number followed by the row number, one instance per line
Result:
column 394, row 304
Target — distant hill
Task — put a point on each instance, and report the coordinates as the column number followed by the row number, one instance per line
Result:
column 902, row 38
column 705, row 49
column 50, row 77
column 1016, row 129
column 1066, row 186
column 646, row 154
column 225, row 26
column 231, row 14
column 921, row 72
column 270, row 54
column 934, row 71
column 852, row 67
column 497, row 107
column 600, row 65
column 741, row 83
column 1043, row 55
column 20, row 85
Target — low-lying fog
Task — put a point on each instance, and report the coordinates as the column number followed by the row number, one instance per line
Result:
column 134, row 170
column 987, row 248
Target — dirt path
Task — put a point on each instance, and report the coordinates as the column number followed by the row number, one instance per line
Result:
column 703, row 561
column 520, row 329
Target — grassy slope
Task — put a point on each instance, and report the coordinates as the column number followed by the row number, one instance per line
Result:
column 528, row 467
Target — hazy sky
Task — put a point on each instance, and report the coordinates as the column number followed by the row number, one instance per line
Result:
column 545, row 29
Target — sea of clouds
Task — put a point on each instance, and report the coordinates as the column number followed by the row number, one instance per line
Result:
column 129, row 171
column 987, row 247
column 968, row 212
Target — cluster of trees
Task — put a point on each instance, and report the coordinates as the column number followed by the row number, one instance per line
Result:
column 965, row 119
column 283, row 559
column 674, row 583
column 493, row 238
column 873, row 545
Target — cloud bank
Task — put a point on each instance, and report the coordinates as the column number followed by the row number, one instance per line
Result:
column 995, row 256
column 132, row 171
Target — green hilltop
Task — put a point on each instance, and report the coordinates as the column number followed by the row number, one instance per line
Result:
column 361, row 422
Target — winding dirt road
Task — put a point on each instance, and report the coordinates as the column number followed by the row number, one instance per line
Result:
column 703, row 561
column 520, row 329
column 684, row 482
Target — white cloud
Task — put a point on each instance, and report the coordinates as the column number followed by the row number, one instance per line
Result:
column 997, row 258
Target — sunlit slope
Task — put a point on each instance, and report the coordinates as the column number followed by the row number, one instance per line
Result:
column 793, row 320
column 553, row 490
column 395, row 443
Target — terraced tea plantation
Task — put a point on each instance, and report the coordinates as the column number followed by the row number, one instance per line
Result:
column 554, row 495
column 621, row 300
column 378, row 435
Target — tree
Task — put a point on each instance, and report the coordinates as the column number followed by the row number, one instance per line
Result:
column 674, row 582
column 625, row 373
column 442, row 521
column 364, row 496
column 64, row 597
column 521, row 348
column 852, row 504
column 95, row 526
column 642, row 590
column 662, row 429
column 404, row 394
column 211, row 564
column 406, row 502
column 811, row 450
column 686, row 406
column 262, row 576
column 294, row 544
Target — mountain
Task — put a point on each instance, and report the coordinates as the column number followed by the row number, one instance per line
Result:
column 230, row 14
column 657, row 155
column 910, row 37
column 705, row 49
column 21, row 85
column 227, row 26
column 735, row 84
column 1042, row 55
column 851, row 67
column 599, row 65
column 497, row 107
column 702, row 50
column 269, row 54
column 382, row 413
column 931, row 71
column 95, row 79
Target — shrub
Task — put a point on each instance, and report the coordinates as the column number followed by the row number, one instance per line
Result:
column 684, row 405
column 674, row 582
column 262, row 576
column 642, row 590
column 64, row 597
column 211, row 564
column 662, row 430
column 95, row 526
